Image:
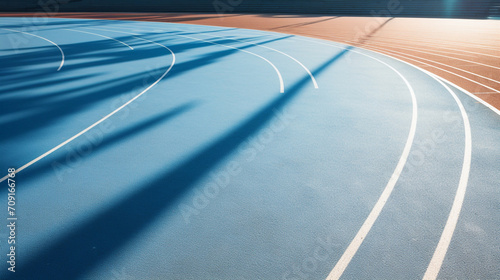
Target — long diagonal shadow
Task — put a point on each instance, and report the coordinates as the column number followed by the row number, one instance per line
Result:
column 57, row 164
column 52, row 110
column 90, row 243
column 366, row 37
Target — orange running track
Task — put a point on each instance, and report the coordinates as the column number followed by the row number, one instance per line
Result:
column 463, row 51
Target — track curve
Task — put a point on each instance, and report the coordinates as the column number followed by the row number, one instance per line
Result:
column 217, row 174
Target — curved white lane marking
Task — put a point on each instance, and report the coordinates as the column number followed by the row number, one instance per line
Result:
column 116, row 31
column 282, row 85
column 444, row 242
column 445, row 43
column 104, row 118
column 417, row 47
column 424, row 45
column 353, row 247
column 40, row 37
column 273, row 49
column 431, row 53
column 433, row 66
column 447, row 65
column 495, row 110
column 100, row 35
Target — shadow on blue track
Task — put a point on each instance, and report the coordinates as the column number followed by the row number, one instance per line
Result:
column 90, row 243
column 40, row 110
column 116, row 138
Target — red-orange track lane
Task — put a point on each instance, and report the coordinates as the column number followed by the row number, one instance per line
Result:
column 437, row 45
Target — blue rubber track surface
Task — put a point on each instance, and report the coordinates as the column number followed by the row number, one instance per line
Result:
column 171, row 151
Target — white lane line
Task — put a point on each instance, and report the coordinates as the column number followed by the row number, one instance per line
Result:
column 130, row 33
column 433, row 66
column 100, row 35
column 451, row 224
column 486, row 92
column 444, row 242
column 273, row 49
column 445, row 43
column 495, row 110
column 62, row 53
column 353, row 247
column 104, row 118
column 486, row 104
column 419, row 47
column 282, row 85
column 444, row 64
column 447, row 234
column 441, row 55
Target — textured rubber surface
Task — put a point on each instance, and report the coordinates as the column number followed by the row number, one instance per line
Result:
column 214, row 173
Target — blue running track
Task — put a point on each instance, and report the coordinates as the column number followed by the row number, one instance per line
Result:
column 171, row 151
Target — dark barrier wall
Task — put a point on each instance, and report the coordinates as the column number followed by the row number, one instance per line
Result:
column 405, row 8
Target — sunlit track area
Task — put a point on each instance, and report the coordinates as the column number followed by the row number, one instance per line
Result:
column 229, row 148
column 463, row 51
